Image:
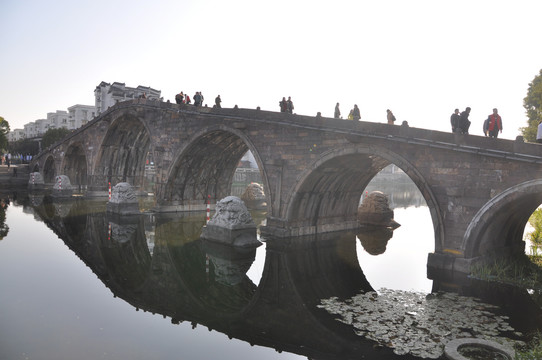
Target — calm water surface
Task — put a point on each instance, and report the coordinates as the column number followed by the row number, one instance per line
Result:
column 74, row 287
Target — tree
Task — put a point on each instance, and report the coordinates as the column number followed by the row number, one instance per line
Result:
column 24, row 147
column 4, row 130
column 533, row 106
column 51, row 136
column 536, row 235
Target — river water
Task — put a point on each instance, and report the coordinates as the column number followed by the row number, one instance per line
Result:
column 77, row 283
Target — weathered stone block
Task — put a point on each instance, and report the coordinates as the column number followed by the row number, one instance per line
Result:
column 62, row 187
column 232, row 224
column 123, row 200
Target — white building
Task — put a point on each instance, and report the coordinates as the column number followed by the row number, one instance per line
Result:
column 58, row 119
column 42, row 125
column 107, row 95
column 79, row 115
column 17, row 134
column 31, row 129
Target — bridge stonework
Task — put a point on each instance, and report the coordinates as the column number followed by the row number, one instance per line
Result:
column 480, row 191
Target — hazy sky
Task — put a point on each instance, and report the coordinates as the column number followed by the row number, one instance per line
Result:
column 421, row 59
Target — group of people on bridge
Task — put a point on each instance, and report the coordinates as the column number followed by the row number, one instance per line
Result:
column 460, row 123
column 198, row 98
column 286, row 105
column 354, row 114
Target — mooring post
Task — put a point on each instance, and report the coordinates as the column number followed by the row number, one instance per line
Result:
column 208, row 208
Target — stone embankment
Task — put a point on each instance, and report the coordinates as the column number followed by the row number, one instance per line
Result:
column 14, row 177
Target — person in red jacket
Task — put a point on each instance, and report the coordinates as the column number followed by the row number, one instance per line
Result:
column 495, row 124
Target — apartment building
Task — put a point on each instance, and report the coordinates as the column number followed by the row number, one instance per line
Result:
column 107, row 95
column 80, row 115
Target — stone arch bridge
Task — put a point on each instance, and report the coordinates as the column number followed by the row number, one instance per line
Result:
column 480, row 191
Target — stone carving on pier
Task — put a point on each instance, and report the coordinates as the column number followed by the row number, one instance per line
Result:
column 123, row 200
column 376, row 220
column 62, row 187
column 254, row 196
column 232, row 224
column 35, row 181
column 375, row 210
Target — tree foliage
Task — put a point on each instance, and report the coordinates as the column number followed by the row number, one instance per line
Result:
column 51, row 136
column 24, row 147
column 4, row 228
column 4, row 130
column 535, row 236
column 533, row 106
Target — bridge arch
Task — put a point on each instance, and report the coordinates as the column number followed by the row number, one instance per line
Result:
column 49, row 170
column 205, row 167
column 331, row 188
column 123, row 152
column 499, row 225
column 75, row 164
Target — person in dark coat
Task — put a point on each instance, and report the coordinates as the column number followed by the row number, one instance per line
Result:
column 464, row 122
column 355, row 113
column 283, row 105
column 454, row 120
column 290, row 105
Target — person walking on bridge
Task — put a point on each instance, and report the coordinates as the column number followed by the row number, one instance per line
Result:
column 355, row 113
column 337, row 113
column 464, row 122
column 198, row 99
column 391, row 117
column 454, row 120
column 283, row 105
column 495, row 124
column 179, row 98
column 290, row 105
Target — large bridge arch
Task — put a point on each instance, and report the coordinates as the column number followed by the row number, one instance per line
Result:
column 499, row 225
column 75, row 165
column 328, row 192
column 49, row 170
column 205, row 167
column 123, row 152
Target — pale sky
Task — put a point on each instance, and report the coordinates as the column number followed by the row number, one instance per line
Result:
column 419, row 58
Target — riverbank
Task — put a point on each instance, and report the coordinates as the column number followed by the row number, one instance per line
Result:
column 16, row 176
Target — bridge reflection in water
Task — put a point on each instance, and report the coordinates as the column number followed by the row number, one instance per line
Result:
column 159, row 264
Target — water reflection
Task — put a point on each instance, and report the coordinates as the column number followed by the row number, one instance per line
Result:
column 374, row 239
column 4, row 228
column 189, row 279
column 160, row 264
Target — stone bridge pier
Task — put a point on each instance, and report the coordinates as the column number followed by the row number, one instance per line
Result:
column 480, row 191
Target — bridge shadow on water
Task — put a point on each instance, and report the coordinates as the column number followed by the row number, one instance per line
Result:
column 310, row 298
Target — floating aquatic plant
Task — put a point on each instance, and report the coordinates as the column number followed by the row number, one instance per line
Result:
column 419, row 324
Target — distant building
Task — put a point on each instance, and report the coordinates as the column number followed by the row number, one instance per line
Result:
column 16, row 135
column 57, row 120
column 80, row 115
column 42, row 125
column 33, row 129
column 248, row 161
column 107, row 95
